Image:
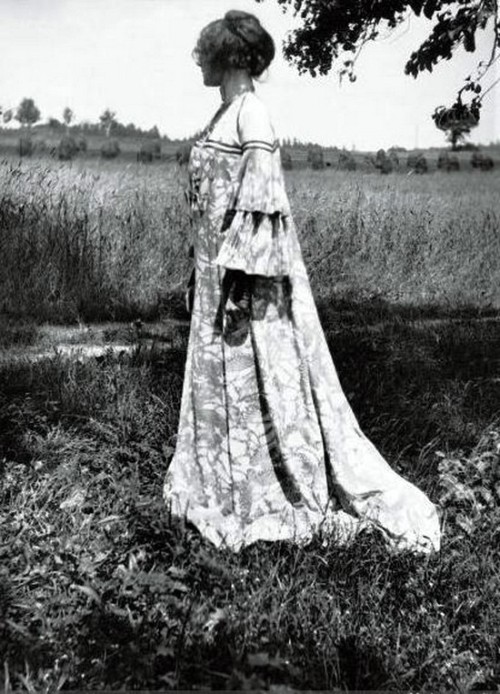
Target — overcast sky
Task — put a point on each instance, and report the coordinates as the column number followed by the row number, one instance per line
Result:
column 134, row 56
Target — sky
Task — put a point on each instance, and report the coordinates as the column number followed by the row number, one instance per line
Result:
column 134, row 57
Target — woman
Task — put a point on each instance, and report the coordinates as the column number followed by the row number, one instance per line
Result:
column 268, row 447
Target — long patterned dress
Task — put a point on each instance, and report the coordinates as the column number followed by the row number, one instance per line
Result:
column 268, row 446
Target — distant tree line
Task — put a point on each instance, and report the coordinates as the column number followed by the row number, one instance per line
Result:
column 73, row 141
column 28, row 114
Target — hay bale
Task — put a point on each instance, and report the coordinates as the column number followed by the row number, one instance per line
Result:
column 182, row 155
column 315, row 158
column 346, row 162
column 286, row 160
column 110, row 149
column 417, row 163
column 81, row 142
column 25, row 146
column 67, row 148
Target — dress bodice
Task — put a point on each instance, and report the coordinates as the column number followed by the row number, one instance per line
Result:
column 216, row 155
column 237, row 190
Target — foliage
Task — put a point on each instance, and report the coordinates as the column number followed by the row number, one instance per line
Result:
column 108, row 121
column 54, row 123
column 329, row 30
column 68, row 115
column 470, row 486
column 120, row 129
column 6, row 114
column 27, row 112
column 457, row 121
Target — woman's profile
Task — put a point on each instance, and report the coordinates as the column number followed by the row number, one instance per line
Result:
column 268, row 447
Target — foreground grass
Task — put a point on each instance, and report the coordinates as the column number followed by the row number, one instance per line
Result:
column 100, row 589
column 108, row 241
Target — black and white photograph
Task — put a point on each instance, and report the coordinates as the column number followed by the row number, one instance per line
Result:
column 249, row 345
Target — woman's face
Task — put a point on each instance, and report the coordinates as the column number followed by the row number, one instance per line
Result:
column 212, row 75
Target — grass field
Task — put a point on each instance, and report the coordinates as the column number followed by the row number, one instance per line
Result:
column 100, row 589
column 88, row 240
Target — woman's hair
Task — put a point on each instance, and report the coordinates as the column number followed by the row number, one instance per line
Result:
column 236, row 41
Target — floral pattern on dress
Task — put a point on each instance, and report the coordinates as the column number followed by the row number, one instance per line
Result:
column 268, row 447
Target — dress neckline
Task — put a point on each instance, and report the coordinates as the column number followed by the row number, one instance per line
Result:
column 220, row 112
column 237, row 96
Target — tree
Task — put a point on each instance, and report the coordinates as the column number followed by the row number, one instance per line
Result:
column 333, row 28
column 108, row 120
column 54, row 123
column 68, row 117
column 456, row 125
column 7, row 114
column 27, row 113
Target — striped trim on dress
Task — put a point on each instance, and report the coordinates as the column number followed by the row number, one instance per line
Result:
column 260, row 144
column 239, row 149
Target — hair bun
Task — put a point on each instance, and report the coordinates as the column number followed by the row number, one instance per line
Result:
column 238, row 40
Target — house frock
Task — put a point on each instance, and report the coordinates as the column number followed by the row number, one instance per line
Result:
column 268, row 447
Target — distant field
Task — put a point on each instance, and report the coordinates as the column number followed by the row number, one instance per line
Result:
column 106, row 240
column 9, row 145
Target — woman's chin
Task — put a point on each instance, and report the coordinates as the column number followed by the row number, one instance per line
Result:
column 211, row 82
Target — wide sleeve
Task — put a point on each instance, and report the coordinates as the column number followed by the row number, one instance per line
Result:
column 257, row 224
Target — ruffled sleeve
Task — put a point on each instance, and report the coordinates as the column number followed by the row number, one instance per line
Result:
column 257, row 223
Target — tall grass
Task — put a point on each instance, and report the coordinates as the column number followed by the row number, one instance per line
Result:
column 89, row 242
column 99, row 241
column 430, row 239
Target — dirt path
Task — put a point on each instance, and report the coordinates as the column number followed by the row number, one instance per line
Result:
column 95, row 340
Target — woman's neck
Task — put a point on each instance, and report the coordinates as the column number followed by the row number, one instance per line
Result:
column 234, row 83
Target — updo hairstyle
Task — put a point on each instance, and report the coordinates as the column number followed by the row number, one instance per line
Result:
column 237, row 41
